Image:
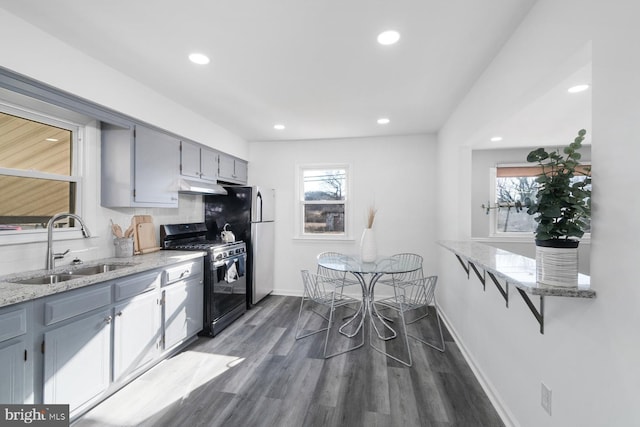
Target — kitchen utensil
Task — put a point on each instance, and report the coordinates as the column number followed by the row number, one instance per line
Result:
column 116, row 230
column 227, row 235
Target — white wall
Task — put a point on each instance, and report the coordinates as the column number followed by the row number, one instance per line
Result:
column 589, row 352
column 398, row 173
column 35, row 54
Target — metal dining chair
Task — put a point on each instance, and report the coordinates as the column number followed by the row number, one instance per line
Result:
column 410, row 299
column 339, row 275
column 325, row 291
column 404, row 259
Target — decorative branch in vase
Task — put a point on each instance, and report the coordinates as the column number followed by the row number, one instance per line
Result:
column 371, row 216
column 368, row 249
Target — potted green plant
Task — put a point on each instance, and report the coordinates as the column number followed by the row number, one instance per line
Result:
column 563, row 209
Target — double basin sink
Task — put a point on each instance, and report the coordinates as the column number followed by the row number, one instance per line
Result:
column 72, row 273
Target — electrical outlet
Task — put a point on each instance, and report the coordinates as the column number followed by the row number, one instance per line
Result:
column 545, row 398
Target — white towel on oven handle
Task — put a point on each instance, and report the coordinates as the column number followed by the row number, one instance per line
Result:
column 232, row 272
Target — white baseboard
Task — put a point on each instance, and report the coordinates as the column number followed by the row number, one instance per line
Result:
column 507, row 417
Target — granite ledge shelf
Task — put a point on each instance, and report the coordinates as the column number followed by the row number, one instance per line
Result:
column 517, row 270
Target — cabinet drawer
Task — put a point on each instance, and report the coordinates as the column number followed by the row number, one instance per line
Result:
column 13, row 323
column 135, row 285
column 183, row 271
column 74, row 303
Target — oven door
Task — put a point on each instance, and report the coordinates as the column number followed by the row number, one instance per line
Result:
column 229, row 287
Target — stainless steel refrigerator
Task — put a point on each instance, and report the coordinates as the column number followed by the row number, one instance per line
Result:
column 249, row 211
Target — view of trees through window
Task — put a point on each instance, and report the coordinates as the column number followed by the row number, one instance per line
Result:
column 324, row 200
column 513, row 195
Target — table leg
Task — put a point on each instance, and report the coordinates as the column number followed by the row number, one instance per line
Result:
column 367, row 309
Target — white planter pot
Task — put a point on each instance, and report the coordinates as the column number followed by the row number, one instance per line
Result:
column 557, row 266
column 368, row 248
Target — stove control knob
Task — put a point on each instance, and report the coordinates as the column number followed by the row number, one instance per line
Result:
column 219, row 256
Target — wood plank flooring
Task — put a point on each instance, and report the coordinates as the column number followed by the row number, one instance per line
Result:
column 256, row 374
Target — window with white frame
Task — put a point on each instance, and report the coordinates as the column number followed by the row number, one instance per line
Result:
column 513, row 189
column 37, row 169
column 323, row 195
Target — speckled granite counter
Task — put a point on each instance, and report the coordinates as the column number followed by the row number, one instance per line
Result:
column 516, row 269
column 12, row 293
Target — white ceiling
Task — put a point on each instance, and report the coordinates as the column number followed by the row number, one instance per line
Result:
column 313, row 65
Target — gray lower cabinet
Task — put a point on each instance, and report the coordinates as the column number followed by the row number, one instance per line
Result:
column 183, row 313
column 77, row 360
column 136, row 334
column 183, row 296
column 16, row 360
column 13, row 372
column 80, row 346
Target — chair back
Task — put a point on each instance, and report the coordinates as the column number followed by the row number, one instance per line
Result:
column 408, row 259
column 419, row 292
column 318, row 287
column 327, row 272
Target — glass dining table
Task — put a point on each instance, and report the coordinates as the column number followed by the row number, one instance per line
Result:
column 368, row 274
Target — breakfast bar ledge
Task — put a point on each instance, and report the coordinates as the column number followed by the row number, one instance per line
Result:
column 516, row 270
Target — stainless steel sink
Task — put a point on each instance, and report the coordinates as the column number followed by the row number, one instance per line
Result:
column 49, row 279
column 98, row 269
column 73, row 273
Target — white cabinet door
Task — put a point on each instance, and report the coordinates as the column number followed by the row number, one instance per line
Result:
column 13, row 371
column 183, row 310
column 157, row 166
column 226, row 167
column 232, row 170
column 136, row 333
column 190, row 159
column 208, row 164
column 77, row 360
column 241, row 171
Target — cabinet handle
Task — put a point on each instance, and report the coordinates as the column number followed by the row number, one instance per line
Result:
column 185, row 273
column 119, row 313
column 108, row 319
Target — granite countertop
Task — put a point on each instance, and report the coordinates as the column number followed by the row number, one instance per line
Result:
column 13, row 293
column 518, row 270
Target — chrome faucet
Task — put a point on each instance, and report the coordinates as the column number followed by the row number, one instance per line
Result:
column 51, row 257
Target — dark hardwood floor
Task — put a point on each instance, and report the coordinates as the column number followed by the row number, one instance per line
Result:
column 256, row 374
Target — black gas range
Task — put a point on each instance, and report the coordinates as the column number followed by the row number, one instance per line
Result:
column 225, row 283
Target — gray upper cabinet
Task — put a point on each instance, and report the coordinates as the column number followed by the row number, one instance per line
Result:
column 140, row 167
column 232, row 170
column 198, row 161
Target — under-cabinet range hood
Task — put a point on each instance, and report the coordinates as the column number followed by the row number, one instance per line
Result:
column 194, row 186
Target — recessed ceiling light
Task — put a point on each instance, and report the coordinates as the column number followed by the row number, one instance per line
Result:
column 52, row 139
column 496, row 139
column 199, row 58
column 279, row 127
column 578, row 88
column 388, row 37
column 383, row 121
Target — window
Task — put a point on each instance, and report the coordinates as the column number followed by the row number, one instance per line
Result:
column 323, row 201
column 514, row 188
column 37, row 164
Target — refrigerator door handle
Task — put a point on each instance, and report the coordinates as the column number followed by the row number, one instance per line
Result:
column 259, row 197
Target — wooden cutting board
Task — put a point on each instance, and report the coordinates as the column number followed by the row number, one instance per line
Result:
column 146, row 236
